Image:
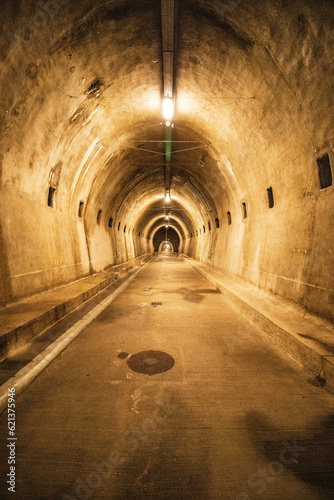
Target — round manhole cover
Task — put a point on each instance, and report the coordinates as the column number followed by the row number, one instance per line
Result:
column 151, row 362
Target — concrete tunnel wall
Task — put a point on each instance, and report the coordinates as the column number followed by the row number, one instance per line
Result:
column 81, row 96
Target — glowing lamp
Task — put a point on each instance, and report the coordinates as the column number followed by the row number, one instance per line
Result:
column 167, row 108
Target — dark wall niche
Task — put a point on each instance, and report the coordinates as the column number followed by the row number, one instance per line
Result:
column 324, row 171
column 229, row 218
column 203, row 229
column 244, row 210
column 99, row 215
column 110, row 222
column 119, row 225
column 51, row 196
column 81, row 208
column 217, row 223
column 270, row 195
column 209, row 225
column 54, row 179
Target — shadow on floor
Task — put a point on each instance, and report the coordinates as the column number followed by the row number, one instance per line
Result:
column 194, row 295
column 329, row 347
column 307, row 453
column 169, row 464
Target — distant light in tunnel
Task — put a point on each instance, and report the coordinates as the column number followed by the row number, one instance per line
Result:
column 167, row 226
column 167, row 197
column 168, row 109
column 167, row 217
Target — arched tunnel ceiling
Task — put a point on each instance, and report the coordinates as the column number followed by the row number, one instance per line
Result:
column 81, row 112
column 156, row 213
column 88, row 83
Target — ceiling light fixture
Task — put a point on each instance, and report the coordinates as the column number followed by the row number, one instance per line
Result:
column 167, row 197
column 168, row 109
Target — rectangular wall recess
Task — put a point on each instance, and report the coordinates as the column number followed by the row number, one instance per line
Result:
column 99, row 215
column 324, row 171
column 51, row 196
column 81, row 208
column 270, row 195
column 244, row 210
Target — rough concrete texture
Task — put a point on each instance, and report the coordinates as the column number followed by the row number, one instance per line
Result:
column 233, row 418
column 21, row 321
column 81, row 99
column 305, row 337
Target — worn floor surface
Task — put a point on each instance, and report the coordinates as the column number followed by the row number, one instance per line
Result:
column 233, row 418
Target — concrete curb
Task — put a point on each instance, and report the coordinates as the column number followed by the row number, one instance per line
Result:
column 21, row 334
column 317, row 364
column 27, row 374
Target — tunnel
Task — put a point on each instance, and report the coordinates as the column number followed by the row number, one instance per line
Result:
column 166, row 237
column 183, row 151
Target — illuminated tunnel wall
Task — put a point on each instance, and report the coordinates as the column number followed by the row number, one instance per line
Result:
column 81, row 164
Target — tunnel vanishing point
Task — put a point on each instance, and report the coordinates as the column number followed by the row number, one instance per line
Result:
column 143, row 140
column 87, row 157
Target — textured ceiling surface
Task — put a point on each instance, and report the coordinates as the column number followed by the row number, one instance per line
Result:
column 80, row 106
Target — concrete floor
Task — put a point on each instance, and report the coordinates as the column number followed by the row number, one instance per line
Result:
column 232, row 419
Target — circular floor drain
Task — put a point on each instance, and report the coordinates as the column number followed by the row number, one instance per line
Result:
column 150, row 362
